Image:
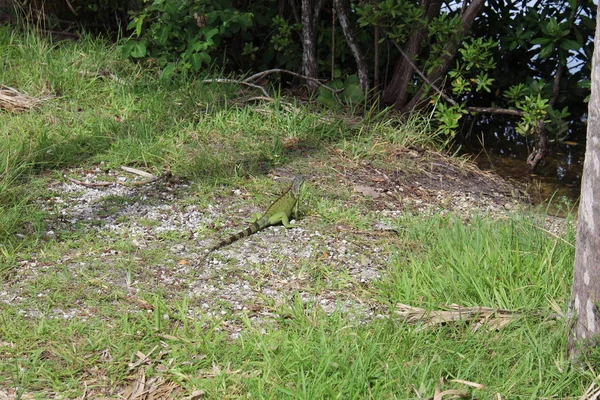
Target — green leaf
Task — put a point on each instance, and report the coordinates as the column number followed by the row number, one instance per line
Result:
column 132, row 23
column 569, row 44
column 352, row 94
column 542, row 40
column 138, row 50
column 327, row 99
column 336, row 84
column 163, row 35
column 352, row 80
column 546, row 51
column 208, row 35
column 197, row 59
column 168, row 71
column 139, row 23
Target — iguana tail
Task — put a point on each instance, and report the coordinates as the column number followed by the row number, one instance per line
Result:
column 253, row 228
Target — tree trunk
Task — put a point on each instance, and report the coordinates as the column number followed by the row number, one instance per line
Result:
column 468, row 16
column 310, row 15
column 584, row 316
column 396, row 92
column 343, row 9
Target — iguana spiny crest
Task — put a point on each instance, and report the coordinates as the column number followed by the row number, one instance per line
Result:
column 280, row 211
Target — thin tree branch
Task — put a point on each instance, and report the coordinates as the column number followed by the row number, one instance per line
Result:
column 252, row 85
column 285, row 71
column 422, row 75
column 71, row 8
column 494, row 110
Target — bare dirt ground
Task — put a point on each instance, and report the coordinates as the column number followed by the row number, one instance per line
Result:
column 153, row 237
column 125, row 242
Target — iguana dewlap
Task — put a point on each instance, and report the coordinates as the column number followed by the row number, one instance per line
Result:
column 281, row 210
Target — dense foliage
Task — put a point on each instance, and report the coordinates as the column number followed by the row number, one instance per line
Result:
column 522, row 59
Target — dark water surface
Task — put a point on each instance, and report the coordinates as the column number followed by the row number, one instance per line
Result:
column 557, row 180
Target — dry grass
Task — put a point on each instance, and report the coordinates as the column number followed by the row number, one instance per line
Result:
column 14, row 101
column 492, row 318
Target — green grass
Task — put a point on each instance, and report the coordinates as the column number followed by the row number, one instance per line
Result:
column 512, row 265
column 79, row 324
column 183, row 124
column 305, row 353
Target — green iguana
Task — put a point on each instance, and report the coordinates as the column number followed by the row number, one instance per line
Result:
column 281, row 210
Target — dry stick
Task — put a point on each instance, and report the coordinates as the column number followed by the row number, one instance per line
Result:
column 275, row 70
column 89, row 184
column 222, row 80
column 138, row 172
column 12, row 100
column 267, row 72
column 494, row 110
column 151, row 178
column 71, row 8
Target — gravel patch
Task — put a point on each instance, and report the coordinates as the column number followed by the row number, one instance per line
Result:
column 321, row 265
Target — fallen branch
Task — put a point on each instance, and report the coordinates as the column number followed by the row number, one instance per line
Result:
column 285, row 71
column 494, row 110
column 252, row 85
column 89, row 184
column 12, row 100
column 166, row 176
column 259, row 75
column 138, row 172
column 493, row 318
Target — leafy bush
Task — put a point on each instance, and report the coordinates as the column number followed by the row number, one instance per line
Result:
column 184, row 35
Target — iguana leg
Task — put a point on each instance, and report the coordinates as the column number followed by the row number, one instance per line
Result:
column 255, row 217
column 281, row 217
column 295, row 210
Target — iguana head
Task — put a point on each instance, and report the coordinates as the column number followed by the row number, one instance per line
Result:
column 297, row 185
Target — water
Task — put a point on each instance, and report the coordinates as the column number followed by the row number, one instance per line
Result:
column 556, row 181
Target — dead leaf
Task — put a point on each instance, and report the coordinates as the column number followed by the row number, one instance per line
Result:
column 367, row 191
column 475, row 385
column 196, row 394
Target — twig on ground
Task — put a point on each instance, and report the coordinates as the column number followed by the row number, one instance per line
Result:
column 89, row 184
column 252, row 85
column 493, row 318
column 261, row 74
column 166, row 176
column 592, row 392
column 285, row 71
column 12, row 100
column 138, row 172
